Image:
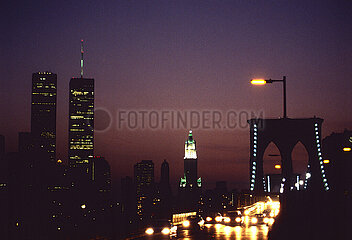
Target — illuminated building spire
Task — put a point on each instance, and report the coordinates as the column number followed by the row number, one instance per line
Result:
column 82, row 58
column 190, row 147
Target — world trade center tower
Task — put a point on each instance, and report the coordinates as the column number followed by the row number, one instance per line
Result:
column 81, row 121
column 43, row 112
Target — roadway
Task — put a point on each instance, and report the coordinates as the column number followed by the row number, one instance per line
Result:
column 218, row 232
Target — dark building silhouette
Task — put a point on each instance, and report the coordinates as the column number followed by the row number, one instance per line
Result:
column 144, row 182
column 2, row 145
column 128, row 205
column 81, row 122
column 101, row 174
column 165, row 173
column 4, row 200
column 190, row 184
column 128, row 195
column 163, row 200
column 337, row 150
column 28, row 210
column 25, row 142
column 43, row 112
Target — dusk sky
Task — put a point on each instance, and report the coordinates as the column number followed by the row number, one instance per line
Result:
column 180, row 55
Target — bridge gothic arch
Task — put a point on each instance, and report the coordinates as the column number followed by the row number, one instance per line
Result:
column 285, row 133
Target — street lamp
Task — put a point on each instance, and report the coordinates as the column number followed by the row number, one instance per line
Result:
column 277, row 166
column 263, row 82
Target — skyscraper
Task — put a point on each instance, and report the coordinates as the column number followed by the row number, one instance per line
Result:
column 190, row 184
column 164, row 192
column 165, row 175
column 128, row 199
column 190, row 178
column 144, row 180
column 101, row 174
column 43, row 112
column 81, row 121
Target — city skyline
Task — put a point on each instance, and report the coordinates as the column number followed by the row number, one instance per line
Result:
column 144, row 64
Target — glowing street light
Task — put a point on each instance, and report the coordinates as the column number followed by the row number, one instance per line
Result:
column 264, row 81
column 258, row 81
column 346, row 149
column 326, row 161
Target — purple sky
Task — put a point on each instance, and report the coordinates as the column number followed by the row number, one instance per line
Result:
column 180, row 55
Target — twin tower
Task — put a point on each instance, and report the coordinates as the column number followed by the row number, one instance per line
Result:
column 81, row 117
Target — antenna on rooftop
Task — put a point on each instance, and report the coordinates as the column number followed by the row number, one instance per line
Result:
column 81, row 58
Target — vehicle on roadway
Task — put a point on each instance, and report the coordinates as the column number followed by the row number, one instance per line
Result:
column 233, row 218
column 213, row 218
column 194, row 222
column 161, row 227
column 258, row 219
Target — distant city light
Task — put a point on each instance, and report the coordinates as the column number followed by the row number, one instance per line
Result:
column 326, row 161
column 83, row 206
column 346, row 149
column 278, row 166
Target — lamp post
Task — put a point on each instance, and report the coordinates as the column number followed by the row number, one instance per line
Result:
column 263, row 82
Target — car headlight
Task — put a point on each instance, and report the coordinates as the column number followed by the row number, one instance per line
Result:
column 208, row 219
column 186, row 223
column 218, row 219
column 149, row 231
column 227, row 219
column 238, row 219
column 254, row 220
column 165, row 231
column 266, row 220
